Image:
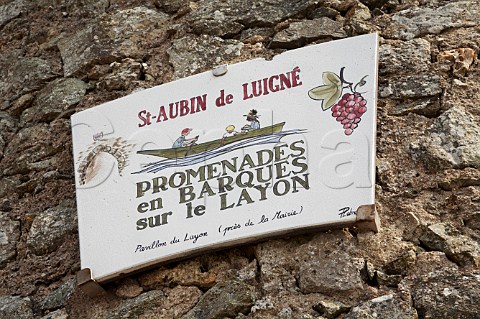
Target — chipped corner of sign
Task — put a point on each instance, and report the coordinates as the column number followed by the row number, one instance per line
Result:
column 367, row 218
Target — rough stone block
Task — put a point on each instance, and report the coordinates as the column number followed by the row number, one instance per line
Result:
column 50, row 228
column 452, row 141
column 301, row 33
column 226, row 299
column 447, row 295
column 15, row 307
column 387, row 306
column 414, row 22
column 190, row 54
column 123, row 34
column 412, row 86
column 56, row 98
column 9, row 236
column 404, row 56
column 446, row 238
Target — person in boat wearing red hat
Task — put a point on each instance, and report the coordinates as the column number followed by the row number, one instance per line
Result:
column 182, row 141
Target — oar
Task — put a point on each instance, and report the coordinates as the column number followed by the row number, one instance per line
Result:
column 191, row 145
column 189, row 149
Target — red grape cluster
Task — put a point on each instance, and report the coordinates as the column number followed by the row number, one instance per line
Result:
column 349, row 110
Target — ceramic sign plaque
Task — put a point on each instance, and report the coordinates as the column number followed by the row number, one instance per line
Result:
column 259, row 149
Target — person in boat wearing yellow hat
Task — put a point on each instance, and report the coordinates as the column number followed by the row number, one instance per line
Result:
column 230, row 131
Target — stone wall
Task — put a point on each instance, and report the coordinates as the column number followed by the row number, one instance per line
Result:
column 59, row 57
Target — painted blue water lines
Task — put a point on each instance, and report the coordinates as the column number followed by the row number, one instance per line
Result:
column 193, row 159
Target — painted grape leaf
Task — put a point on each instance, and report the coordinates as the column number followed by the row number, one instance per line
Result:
column 328, row 93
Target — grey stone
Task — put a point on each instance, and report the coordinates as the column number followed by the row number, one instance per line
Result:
column 225, row 299
column 11, row 11
column 473, row 221
column 337, row 272
column 59, row 297
column 401, row 264
column 277, row 267
column 452, row 141
column 8, row 126
column 382, row 279
column 81, row 51
column 85, row 8
column 123, row 74
column 126, row 33
column 56, row 98
column 178, row 302
column 42, row 165
column 447, row 294
column 300, row 33
column 140, row 306
column 430, row 262
column 459, row 248
column 429, row 107
column 286, row 313
column 57, row 314
column 331, row 309
column 404, row 56
column 30, row 145
column 262, row 304
column 248, row 273
column 165, row 303
column 7, row 185
column 2, row 145
column 412, row 86
column 218, row 25
column 9, row 236
column 76, row 8
column 415, row 21
column 171, row 6
column 324, row 12
column 387, row 306
column 277, row 278
column 370, row 271
column 222, row 18
column 15, row 307
column 190, row 54
column 19, row 105
column 19, row 74
column 50, row 228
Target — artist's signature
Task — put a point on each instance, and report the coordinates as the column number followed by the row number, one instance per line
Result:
column 346, row 211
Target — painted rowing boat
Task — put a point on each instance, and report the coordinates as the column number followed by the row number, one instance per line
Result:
column 202, row 147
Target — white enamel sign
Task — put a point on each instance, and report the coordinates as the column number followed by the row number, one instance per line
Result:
column 211, row 161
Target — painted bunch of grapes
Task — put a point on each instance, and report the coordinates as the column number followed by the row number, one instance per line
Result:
column 347, row 108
